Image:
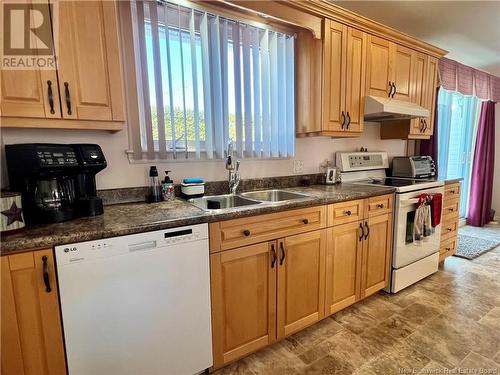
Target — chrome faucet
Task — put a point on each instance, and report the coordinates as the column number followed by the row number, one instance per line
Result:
column 233, row 168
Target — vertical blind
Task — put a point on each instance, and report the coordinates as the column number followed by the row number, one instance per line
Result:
column 204, row 79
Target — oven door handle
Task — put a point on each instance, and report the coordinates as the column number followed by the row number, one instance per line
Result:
column 409, row 202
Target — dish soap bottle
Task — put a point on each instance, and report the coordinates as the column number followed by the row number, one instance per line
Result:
column 167, row 188
column 154, row 185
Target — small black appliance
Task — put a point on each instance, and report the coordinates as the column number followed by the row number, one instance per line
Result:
column 55, row 180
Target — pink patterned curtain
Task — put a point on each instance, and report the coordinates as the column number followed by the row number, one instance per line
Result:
column 469, row 81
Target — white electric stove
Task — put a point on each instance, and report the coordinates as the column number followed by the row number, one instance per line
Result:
column 411, row 261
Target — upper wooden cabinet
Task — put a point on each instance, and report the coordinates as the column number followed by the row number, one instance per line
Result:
column 89, row 67
column 389, row 69
column 32, row 339
column 88, row 82
column 343, row 83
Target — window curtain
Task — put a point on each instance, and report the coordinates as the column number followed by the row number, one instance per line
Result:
column 457, row 119
column 482, row 169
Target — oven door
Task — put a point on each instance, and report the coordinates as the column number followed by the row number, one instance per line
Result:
column 406, row 251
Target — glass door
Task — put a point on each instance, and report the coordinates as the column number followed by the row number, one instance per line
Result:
column 458, row 117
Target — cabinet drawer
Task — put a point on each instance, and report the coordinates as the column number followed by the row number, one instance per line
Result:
column 345, row 212
column 451, row 206
column 379, row 205
column 448, row 246
column 451, row 191
column 245, row 231
column 449, row 228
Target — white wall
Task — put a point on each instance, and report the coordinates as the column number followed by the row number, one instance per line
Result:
column 496, row 177
column 121, row 173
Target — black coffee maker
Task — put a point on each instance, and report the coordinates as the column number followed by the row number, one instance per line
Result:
column 57, row 181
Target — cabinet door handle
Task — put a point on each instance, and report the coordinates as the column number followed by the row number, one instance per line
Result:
column 283, row 255
column 394, row 91
column 425, row 125
column 421, row 128
column 348, row 120
column 367, row 230
column 348, row 212
column 50, row 94
column 361, row 231
column 67, row 97
column 274, row 257
column 246, row 232
column 343, row 120
column 46, row 279
column 305, row 221
column 390, row 90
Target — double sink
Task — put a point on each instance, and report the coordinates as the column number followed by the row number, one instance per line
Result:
column 227, row 201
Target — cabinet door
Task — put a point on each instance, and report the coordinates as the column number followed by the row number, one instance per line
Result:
column 343, row 265
column 430, row 94
column 25, row 93
column 355, row 81
column 402, row 69
column 30, row 323
column 334, row 72
column 376, row 254
column 243, row 300
column 301, row 281
column 378, row 66
column 419, row 82
column 89, row 62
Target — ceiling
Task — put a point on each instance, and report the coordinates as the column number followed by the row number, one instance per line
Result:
column 469, row 30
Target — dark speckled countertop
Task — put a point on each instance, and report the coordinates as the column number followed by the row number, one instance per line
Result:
column 122, row 219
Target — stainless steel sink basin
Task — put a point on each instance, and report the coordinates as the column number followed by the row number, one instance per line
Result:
column 274, row 195
column 221, row 202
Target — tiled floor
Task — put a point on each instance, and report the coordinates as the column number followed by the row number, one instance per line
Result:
column 449, row 320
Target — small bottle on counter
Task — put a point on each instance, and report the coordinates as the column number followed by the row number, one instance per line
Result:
column 167, row 188
column 154, row 185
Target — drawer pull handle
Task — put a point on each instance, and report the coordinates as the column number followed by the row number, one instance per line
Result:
column 381, row 205
column 283, row 255
column 449, row 229
column 274, row 258
column 305, row 221
column 46, row 279
column 448, row 248
column 348, row 212
column 246, row 232
column 451, row 209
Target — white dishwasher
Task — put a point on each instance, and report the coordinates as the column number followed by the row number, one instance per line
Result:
column 137, row 304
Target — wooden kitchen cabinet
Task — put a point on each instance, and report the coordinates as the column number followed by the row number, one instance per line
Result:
column 301, row 275
column 89, row 67
column 388, row 69
column 343, row 83
column 449, row 220
column 375, row 266
column 31, row 334
column 265, row 291
column 343, row 266
column 86, row 90
column 243, row 284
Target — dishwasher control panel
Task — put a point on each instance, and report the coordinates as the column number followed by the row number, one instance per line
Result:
column 115, row 246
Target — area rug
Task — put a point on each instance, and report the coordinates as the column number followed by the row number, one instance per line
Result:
column 471, row 247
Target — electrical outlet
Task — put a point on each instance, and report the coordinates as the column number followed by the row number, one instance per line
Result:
column 298, row 166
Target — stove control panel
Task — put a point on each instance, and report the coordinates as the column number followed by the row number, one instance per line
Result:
column 360, row 161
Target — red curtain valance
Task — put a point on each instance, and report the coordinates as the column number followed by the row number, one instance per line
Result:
column 469, row 81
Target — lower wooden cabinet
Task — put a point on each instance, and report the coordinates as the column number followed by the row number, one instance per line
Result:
column 31, row 335
column 376, row 254
column 265, row 291
column 301, row 275
column 343, row 265
column 449, row 220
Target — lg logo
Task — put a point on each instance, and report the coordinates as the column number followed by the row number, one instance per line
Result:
column 68, row 249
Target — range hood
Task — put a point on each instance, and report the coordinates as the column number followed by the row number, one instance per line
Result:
column 379, row 109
